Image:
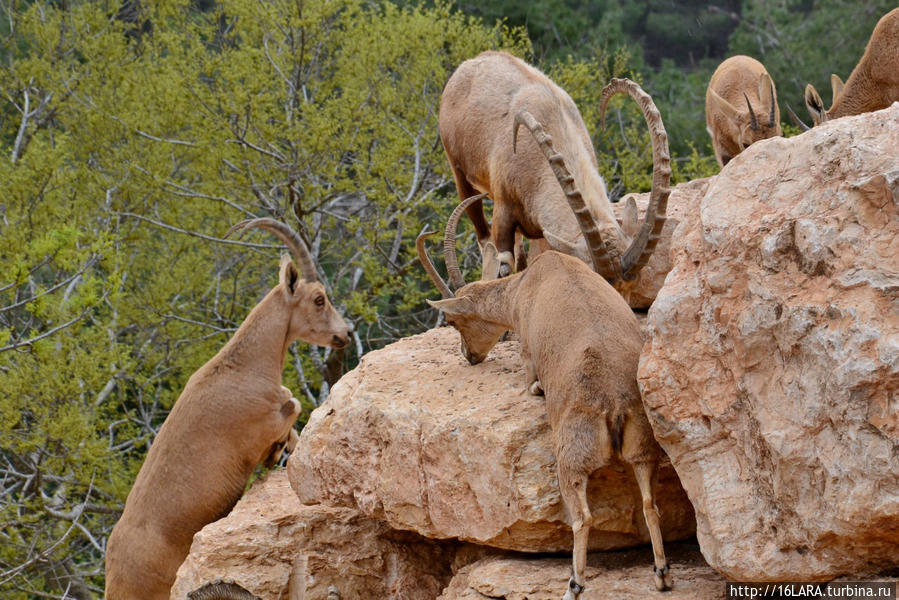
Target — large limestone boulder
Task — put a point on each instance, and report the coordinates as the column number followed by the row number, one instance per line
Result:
column 278, row 549
column 684, row 197
column 771, row 375
column 418, row 438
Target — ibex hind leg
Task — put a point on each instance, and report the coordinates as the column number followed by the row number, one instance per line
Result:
column 574, row 495
column 645, row 474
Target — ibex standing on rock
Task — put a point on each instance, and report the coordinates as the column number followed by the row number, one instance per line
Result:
column 873, row 83
column 740, row 107
column 232, row 415
column 580, row 344
column 534, row 185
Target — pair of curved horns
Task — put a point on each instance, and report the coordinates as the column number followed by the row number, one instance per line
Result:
column 287, row 235
column 605, row 257
column 449, row 251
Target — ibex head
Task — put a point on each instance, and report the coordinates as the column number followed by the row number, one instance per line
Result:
column 311, row 316
column 750, row 123
column 478, row 335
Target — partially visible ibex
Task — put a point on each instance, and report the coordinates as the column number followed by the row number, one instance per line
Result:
column 232, row 415
column 484, row 101
column 580, row 344
column 733, row 127
column 873, row 83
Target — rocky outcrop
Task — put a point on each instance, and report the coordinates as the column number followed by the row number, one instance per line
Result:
column 684, row 197
column 277, row 549
column 418, row 438
column 771, row 375
column 619, row 575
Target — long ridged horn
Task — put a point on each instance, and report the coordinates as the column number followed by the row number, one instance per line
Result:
column 456, row 280
column 287, row 235
column 637, row 254
column 220, row 590
column 602, row 263
column 425, row 260
column 796, row 120
column 753, row 121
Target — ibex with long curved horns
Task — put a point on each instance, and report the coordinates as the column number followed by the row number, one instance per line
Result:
column 732, row 126
column 537, row 183
column 873, row 83
column 232, row 415
column 580, row 344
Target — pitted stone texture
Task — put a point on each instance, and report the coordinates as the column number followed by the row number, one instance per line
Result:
column 278, row 549
column 771, row 374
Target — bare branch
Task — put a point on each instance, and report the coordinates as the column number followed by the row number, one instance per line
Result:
column 210, row 238
column 91, row 261
column 48, row 333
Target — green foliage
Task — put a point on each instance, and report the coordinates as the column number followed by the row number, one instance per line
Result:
column 130, row 143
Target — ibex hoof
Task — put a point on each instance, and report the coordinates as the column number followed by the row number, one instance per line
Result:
column 536, row 388
column 661, row 578
column 574, row 590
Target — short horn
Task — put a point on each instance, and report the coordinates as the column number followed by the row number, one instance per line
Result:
column 602, row 263
column 796, row 120
column 773, row 107
column 425, row 260
column 456, row 280
column 637, row 254
column 287, row 235
column 753, row 121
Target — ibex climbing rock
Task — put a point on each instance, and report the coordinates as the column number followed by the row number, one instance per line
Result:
column 740, row 107
column 549, row 186
column 873, row 83
column 580, row 344
column 232, row 415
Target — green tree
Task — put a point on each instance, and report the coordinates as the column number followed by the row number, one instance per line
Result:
column 128, row 151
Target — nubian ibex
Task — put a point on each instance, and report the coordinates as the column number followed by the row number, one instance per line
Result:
column 580, row 344
column 873, row 83
column 549, row 186
column 232, row 415
column 740, row 107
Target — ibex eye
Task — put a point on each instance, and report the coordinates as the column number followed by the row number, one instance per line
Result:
column 320, row 301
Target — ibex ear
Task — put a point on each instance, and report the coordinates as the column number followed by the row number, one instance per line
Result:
column 836, row 86
column 288, row 275
column 489, row 262
column 454, row 306
column 629, row 222
column 557, row 243
column 814, row 104
column 722, row 105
